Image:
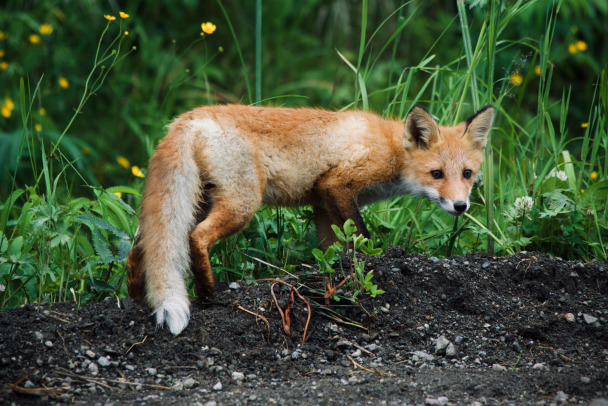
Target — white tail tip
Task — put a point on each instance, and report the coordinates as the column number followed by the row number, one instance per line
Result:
column 175, row 313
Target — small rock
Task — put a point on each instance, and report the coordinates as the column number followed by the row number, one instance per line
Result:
column 103, row 362
column 570, row 318
column 441, row 344
column 151, row 371
column 38, row 335
column 485, row 265
column 589, row 319
column 90, row 354
column 129, row 367
column 434, row 260
column 585, row 379
column 48, row 343
column 353, row 380
column 442, row 400
column 29, row 384
column 516, row 346
column 498, row 367
column 357, row 353
column 190, row 383
column 234, row 286
column 211, row 403
column 451, row 351
column 458, row 339
column 343, row 343
column 540, row 366
column 238, row 376
column 218, row 386
column 93, row 368
column 560, row 396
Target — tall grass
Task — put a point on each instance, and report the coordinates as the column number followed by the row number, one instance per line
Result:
column 544, row 183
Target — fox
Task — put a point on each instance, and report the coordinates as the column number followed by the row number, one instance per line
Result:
column 218, row 164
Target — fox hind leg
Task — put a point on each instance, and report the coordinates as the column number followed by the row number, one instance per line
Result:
column 225, row 218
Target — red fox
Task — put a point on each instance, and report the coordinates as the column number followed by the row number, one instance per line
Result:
column 218, row 164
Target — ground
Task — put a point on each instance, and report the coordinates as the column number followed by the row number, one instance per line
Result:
column 523, row 329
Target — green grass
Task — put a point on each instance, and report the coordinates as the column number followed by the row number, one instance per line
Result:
column 66, row 228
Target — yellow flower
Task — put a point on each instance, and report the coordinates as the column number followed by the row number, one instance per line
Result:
column 572, row 48
column 123, row 15
column 137, row 172
column 37, row 127
column 122, row 161
column 582, row 191
column 34, row 38
column 126, row 33
column 208, row 28
column 7, row 108
column 581, row 45
column 46, row 29
column 3, row 65
column 516, row 79
column 118, row 194
column 584, row 125
column 593, row 175
column 2, row 53
column 537, row 70
column 42, row 111
column 2, row 35
column 109, row 17
column 63, row 83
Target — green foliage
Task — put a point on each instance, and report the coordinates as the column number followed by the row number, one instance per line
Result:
column 360, row 282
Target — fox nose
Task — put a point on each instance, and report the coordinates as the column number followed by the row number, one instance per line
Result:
column 460, row 206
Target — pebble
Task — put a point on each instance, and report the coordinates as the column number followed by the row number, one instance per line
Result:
column 570, row 318
column 129, row 367
column 441, row 344
column 190, row 383
column 103, row 362
column 434, row 260
column 151, row 371
column 218, row 386
column 234, row 286
column 498, row 367
column 589, row 319
column 29, row 384
column 49, row 344
column 38, row 335
column 485, row 265
column 93, row 368
column 441, row 400
column 560, row 396
column 451, row 351
column 211, row 403
column 238, row 376
column 357, row 353
column 585, row 379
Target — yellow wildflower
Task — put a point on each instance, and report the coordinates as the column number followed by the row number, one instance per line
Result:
column 584, row 125
column 38, row 127
column 2, row 35
column 208, row 28
column 126, row 33
column 3, row 65
column 516, row 79
column 118, row 194
column 2, row 53
column 7, row 108
column 122, row 161
column 46, row 29
column 137, row 172
column 537, row 70
column 109, row 17
column 593, row 175
column 34, row 38
column 123, row 15
column 581, row 45
column 572, row 48
column 42, row 111
column 63, row 83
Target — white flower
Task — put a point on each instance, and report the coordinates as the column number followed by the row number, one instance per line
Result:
column 561, row 175
column 523, row 205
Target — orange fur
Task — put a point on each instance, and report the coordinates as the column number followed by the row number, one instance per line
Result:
column 219, row 163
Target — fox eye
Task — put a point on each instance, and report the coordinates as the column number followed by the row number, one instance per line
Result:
column 437, row 174
column 467, row 173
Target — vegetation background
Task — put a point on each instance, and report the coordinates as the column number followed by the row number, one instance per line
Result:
column 87, row 88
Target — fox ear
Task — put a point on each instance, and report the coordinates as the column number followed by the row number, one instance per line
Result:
column 478, row 127
column 421, row 130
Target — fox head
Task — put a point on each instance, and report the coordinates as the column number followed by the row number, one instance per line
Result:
column 442, row 162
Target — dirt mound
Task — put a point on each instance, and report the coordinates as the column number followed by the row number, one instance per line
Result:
column 515, row 330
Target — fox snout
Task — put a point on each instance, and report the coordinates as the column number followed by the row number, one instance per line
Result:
column 460, row 206
column 455, row 208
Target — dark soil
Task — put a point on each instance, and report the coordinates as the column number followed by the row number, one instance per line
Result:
column 524, row 329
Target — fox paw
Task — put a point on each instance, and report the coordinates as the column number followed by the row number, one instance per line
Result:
column 175, row 313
